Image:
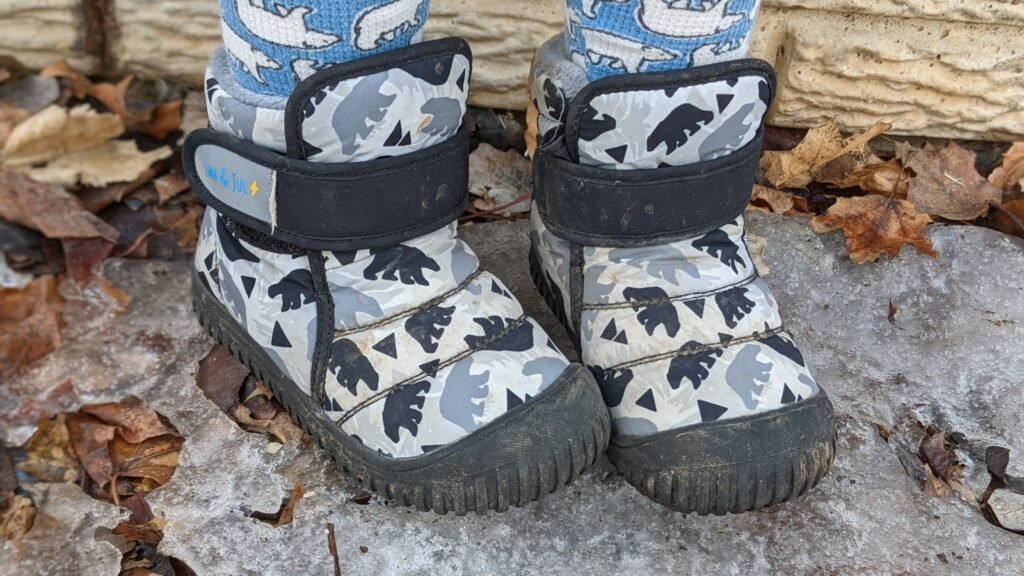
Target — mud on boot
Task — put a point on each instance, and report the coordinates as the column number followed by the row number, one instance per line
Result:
column 329, row 262
column 638, row 245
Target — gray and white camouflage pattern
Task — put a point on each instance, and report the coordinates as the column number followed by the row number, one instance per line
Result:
column 685, row 332
column 427, row 347
column 652, row 128
column 387, row 113
column 269, row 294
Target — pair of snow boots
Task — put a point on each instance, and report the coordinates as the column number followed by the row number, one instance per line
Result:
column 329, row 262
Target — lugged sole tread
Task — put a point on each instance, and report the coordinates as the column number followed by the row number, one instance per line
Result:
column 514, row 484
column 732, row 488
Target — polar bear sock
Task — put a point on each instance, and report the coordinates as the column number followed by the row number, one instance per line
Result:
column 273, row 44
column 610, row 37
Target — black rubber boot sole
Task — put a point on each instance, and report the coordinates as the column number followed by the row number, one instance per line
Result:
column 732, row 466
column 518, row 458
column 735, row 465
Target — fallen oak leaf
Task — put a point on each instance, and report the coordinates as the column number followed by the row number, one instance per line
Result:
column 77, row 81
column 90, row 437
column 17, row 518
column 281, row 426
column 889, row 178
column 10, row 116
column 132, row 419
column 56, row 131
column 170, row 185
column 946, row 183
column 257, row 397
column 107, row 163
column 49, row 456
column 31, row 320
column 943, row 470
column 874, row 225
column 48, row 208
column 771, row 200
column 83, row 256
column 220, row 377
column 1010, row 172
column 147, row 465
column 823, row 155
column 159, row 120
column 113, row 96
column 1010, row 218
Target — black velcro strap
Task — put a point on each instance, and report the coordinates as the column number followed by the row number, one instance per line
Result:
column 603, row 207
column 323, row 206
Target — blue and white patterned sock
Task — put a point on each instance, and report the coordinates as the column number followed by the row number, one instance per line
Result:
column 610, row 37
column 273, row 44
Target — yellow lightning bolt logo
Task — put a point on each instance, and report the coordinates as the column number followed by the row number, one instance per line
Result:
column 254, row 188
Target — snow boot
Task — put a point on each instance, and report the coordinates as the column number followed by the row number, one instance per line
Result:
column 329, row 263
column 638, row 246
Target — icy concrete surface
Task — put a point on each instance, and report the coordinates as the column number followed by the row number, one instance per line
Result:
column 949, row 358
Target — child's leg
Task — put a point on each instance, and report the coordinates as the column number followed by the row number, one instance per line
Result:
column 274, row 44
column 624, row 36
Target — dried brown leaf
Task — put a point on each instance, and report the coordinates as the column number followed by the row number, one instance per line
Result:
column 1010, row 218
column 106, row 163
column 148, row 464
column 170, row 185
column 132, row 419
column 280, row 426
column 90, row 438
column 771, row 200
column 943, row 470
column 220, row 377
column 160, row 121
column 874, row 225
column 10, row 117
column 887, row 178
column 49, row 209
column 1010, row 172
column 151, row 531
column 946, row 183
column 56, row 132
column 532, row 132
column 77, row 81
column 823, row 156
column 49, row 456
column 83, row 256
column 30, row 324
column 17, row 518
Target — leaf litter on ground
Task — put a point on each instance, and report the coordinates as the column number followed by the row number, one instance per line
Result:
column 71, row 153
column 237, row 392
column 117, row 452
column 886, row 204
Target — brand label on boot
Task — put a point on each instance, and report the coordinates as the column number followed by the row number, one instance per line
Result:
column 240, row 183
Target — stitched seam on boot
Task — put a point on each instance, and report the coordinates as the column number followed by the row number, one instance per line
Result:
column 406, row 313
column 721, row 344
column 415, row 378
column 683, row 298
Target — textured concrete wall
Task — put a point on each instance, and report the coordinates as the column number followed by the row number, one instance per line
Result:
column 948, row 68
